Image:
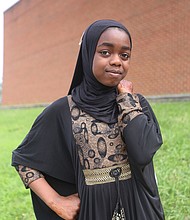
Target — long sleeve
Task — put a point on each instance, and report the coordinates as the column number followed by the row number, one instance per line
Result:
column 141, row 133
column 142, row 136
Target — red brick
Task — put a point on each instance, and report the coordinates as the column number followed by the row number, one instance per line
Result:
column 41, row 46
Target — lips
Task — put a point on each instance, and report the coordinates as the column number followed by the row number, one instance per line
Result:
column 113, row 71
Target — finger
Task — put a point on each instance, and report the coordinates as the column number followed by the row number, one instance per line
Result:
column 122, row 83
column 76, row 194
column 119, row 86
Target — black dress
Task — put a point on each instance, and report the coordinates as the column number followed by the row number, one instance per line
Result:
column 61, row 147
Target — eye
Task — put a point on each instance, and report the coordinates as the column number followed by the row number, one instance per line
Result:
column 125, row 56
column 104, row 53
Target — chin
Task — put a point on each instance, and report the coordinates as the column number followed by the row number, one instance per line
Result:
column 112, row 84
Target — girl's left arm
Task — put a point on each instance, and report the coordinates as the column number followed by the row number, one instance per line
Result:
column 139, row 127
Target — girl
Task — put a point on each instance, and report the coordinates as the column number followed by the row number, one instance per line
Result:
column 88, row 156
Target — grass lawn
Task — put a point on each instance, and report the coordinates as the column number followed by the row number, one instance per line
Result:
column 172, row 161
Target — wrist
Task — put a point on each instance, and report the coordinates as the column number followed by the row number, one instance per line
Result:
column 54, row 202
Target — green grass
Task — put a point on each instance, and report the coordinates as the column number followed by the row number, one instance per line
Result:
column 15, row 201
column 172, row 161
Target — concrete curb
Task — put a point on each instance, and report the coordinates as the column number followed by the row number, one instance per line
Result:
column 169, row 98
column 163, row 98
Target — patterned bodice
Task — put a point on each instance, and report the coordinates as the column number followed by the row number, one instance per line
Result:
column 99, row 145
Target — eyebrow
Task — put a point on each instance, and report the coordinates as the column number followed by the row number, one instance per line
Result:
column 111, row 45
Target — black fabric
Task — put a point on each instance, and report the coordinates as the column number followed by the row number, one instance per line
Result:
column 59, row 162
column 90, row 95
column 47, row 147
column 143, row 139
column 140, row 197
column 144, row 146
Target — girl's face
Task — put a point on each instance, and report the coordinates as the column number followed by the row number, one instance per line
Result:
column 112, row 57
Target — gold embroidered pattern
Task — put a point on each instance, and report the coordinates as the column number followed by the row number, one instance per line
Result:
column 129, row 108
column 100, row 176
column 99, row 145
column 28, row 175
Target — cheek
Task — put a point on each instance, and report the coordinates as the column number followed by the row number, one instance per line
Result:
column 94, row 65
column 95, row 70
column 126, row 66
column 97, row 66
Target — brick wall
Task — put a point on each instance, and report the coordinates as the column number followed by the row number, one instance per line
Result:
column 41, row 45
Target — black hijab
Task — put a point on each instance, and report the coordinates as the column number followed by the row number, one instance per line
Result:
column 88, row 93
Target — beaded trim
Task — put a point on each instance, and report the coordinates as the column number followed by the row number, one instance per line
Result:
column 100, row 176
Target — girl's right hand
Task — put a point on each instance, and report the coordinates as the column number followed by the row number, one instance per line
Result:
column 67, row 207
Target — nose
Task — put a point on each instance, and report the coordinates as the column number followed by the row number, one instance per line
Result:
column 115, row 60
